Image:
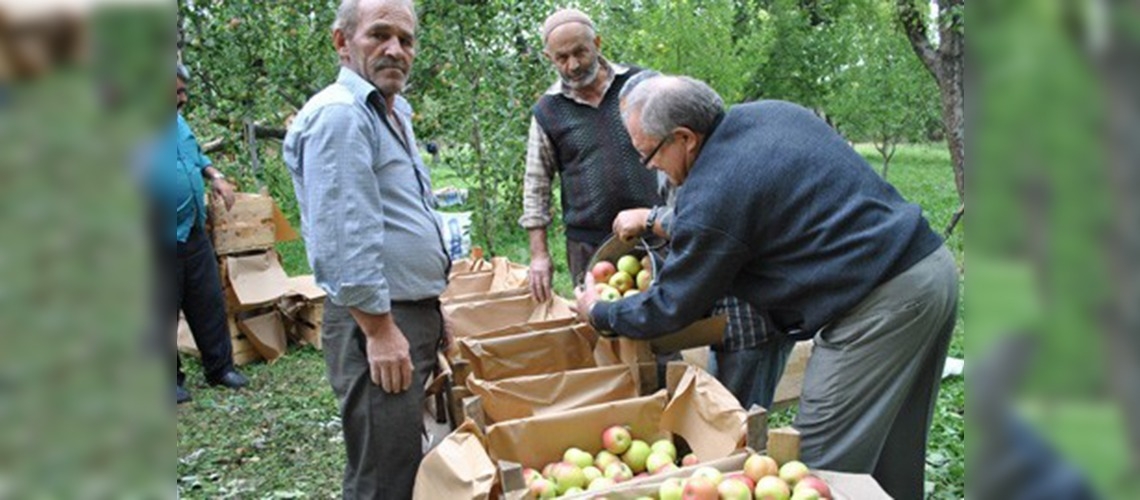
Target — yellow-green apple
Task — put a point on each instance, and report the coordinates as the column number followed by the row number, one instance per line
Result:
column 734, row 489
column 618, row 471
column 805, row 494
column 578, row 457
column 573, row 491
column 793, row 471
column 616, row 439
column 758, row 466
column 629, row 264
column 622, row 281
column 600, row 483
column 605, row 458
column 665, row 446
column 643, row 279
column 700, row 488
column 591, row 473
column 690, row 459
column 671, row 489
column 609, row 294
column 656, row 461
column 771, row 488
column 568, row 475
column 813, row 483
column 543, row 488
column 739, row 476
column 602, row 271
column 636, row 455
column 630, row 293
column 712, row 473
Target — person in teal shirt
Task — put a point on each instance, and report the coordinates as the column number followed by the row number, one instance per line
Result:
column 199, row 290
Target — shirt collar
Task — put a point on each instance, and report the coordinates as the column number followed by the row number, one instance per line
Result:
column 360, row 88
column 615, row 69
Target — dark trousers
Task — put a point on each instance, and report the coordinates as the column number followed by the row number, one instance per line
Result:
column 199, row 290
column 383, row 433
column 578, row 255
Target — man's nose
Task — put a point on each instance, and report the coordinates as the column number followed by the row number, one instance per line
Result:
column 392, row 47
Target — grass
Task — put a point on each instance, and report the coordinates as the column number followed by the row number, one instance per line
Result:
column 281, row 438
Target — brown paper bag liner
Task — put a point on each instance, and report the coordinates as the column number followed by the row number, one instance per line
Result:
column 531, row 395
column 549, row 351
column 267, row 334
column 466, row 284
column 485, row 296
column 458, row 467
column 706, row 414
column 538, row 440
column 470, row 319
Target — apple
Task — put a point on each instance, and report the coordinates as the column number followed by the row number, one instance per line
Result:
column 602, row 271
column 530, row 475
column 591, row 473
column 616, row 439
column 772, row 488
column 739, row 476
column 643, row 279
column 636, row 455
column 630, row 293
column 618, row 471
column 700, row 488
column 573, row 491
column 578, row 457
column 793, row 471
column 629, row 264
column 609, row 294
column 657, row 461
column 810, row 482
column 568, row 475
column 605, row 458
column 671, row 489
column 690, row 459
column 543, row 488
column 665, row 446
column 548, row 470
column 669, row 467
column 622, row 281
column 734, row 489
column 805, row 494
column 646, row 263
column 758, row 466
column 600, row 483
column 711, row 473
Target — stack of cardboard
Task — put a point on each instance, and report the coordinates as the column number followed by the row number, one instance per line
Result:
column 264, row 306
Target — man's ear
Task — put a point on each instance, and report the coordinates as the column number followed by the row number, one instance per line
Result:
column 692, row 139
column 598, row 43
column 340, row 41
column 546, row 54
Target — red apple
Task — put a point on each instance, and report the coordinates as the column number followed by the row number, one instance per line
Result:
column 814, row 483
column 671, row 489
column 793, row 471
column 700, row 488
column 734, row 489
column 758, row 466
column 621, row 280
column 616, row 439
column 644, row 279
column 772, row 488
column 636, row 455
column 629, row 264
column 602, row 271
column 690, row 459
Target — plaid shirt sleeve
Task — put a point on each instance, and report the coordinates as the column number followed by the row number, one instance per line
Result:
column 540, row 168
column 746, row 328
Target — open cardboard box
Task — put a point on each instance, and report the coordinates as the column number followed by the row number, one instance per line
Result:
column 559, row 349
column 532, row 395
column 501, row 276
column 479, row 317
column 255, row 222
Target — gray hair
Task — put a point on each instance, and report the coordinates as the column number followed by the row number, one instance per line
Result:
column 668, row 102
column 634, row 81
column 348, row 15
column 181, row 72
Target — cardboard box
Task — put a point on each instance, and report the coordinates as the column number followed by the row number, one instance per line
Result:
column 243, row 350
column 499, row 275
column 531, row 395
column 253, row 223
column 548, row 351
column 476, row 318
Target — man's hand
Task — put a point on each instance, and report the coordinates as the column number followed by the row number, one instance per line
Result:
column 586, row 296
column 541, row 274
column 223, row 190
column 630, row 224
column 389, row 357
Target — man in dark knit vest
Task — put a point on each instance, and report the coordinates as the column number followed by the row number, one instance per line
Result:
column 576, row 133
column 777, row 209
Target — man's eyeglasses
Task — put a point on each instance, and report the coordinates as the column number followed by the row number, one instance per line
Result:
column 647, row 159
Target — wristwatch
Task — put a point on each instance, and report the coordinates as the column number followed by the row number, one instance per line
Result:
column 651, row 220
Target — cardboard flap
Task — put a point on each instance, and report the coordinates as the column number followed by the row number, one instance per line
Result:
column 538, row 440
column 458, row 467
column 306, row 286
column 467, row 284
column 561, row 349
column 847, row 486
column 471, row 319
column 526, row 396
column 704, row 413
column 507, row 275
column 267, row 334
column 708, row 331
column 257, row 278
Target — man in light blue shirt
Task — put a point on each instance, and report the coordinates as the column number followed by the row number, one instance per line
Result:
column 374, row 243
column 199, row 289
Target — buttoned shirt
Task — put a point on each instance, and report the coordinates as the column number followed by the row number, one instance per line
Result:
column 367, row 212
column 188, row 190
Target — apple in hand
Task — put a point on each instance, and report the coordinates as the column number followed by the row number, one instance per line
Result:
column 616, row 439
column 629, row 264
column 644, row 279
column 622, row 280
column 608, row 294
column 602, row 271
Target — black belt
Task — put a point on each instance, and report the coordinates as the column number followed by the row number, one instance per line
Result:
column 428, row 302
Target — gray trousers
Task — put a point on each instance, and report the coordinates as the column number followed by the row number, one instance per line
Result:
column 383, row 433
column 873, row 378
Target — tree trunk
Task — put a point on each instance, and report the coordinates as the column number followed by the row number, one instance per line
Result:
column 946, row 64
